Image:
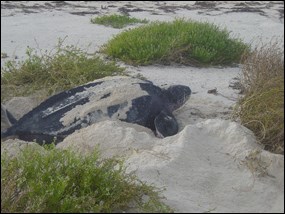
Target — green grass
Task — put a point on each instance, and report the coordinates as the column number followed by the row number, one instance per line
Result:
column 4, row 55
column 66, row 67
column 261, row 109
column 116, row 21
column 61, row 181
column 179, row 41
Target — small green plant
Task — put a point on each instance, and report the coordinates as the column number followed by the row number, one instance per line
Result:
column 179, row 41
column 61, row 181
column 116, row 21
column 4, row 55
column 67, row 67
column 261, row 109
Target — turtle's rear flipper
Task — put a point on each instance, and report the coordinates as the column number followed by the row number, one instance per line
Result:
column 6, row 116
column 165, row 125
column 7, row 119
column 11, row 118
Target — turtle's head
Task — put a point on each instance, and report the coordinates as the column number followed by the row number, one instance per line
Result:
column 177, row 95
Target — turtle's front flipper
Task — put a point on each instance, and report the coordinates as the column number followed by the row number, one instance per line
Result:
column 165, row 124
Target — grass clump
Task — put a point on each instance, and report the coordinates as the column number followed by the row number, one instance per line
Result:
column 179, row 41
column 66, row 67
column 262, row 107
column 60, row 181
column 116, row 21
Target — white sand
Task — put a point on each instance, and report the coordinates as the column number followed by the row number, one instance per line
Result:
column 212, row 165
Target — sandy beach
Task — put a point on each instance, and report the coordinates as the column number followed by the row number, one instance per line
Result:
column 204, row 168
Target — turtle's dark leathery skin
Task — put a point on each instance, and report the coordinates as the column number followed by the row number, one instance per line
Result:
column 124, row 98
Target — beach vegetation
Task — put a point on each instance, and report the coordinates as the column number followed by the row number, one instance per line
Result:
column 4, row 55
column 179, row 41
column 116, row 21
column 47, row 73
column 261, row 109
column 52, row 180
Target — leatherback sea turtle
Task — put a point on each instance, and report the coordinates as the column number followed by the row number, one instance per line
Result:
column 125, row 98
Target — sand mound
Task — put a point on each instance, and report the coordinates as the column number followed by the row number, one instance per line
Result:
column 214, row 165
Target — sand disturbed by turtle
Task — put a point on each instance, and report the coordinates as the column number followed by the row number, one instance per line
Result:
column 124, row 98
